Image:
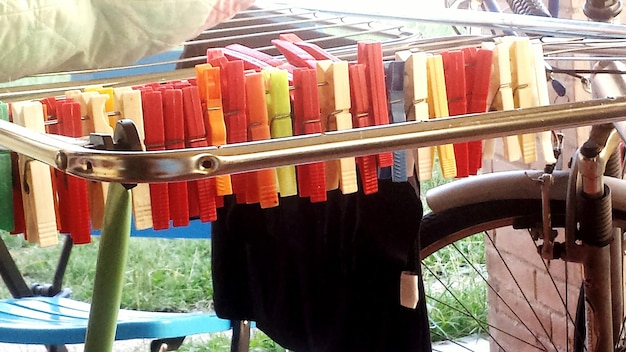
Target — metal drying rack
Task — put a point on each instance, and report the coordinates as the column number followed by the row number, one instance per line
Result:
column 76, row 157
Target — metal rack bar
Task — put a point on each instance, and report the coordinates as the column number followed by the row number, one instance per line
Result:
column 501, row 21
column 72, row 155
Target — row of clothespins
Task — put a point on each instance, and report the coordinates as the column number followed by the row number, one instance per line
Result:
column 244, row 95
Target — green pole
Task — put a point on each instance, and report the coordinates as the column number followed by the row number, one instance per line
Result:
column 109, row 277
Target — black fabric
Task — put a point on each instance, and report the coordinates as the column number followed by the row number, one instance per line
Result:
column 323, row 276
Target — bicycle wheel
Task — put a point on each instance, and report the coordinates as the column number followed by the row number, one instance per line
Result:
column 532, row 302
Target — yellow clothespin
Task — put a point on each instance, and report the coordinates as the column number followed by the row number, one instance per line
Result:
column 279, row 113
column 416, row 107
column 503, row 98
column 524, row 90
column 543, row 98
column 334, row 96
column 109, row 105
column 36, row 181
column 129, row 103
column 438, row 107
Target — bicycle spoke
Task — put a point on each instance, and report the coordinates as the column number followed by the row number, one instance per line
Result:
column 493, row 290
column 519, row 287
column 540, row 348
column 465, row 309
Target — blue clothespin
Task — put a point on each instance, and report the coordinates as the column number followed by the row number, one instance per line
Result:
column 394, row 80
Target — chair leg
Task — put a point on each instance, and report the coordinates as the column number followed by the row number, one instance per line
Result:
column 241, row 336
column 169, row 344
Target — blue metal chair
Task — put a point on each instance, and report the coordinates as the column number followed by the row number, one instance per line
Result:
column 43, row 315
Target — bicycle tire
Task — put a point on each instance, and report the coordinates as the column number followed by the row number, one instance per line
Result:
column 449, row 226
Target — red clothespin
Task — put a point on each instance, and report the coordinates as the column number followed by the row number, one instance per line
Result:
column 153, row 121
column 454, row 73
column 253, row 53
column 294, row 54
column 359, row 98
column 202, row 193
column 74, row 206
column 311, row 177
column 478, row 64
column 175, row 139
column 312, row 49
column 370, row 54
column 261, row 184
column 234, row 107
column 210, row 89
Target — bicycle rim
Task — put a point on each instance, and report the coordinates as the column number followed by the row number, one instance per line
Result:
column 522, row 316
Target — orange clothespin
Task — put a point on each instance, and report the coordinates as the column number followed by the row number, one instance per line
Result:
column 210, row 89
column 416, row 107
column 202, row 195
column 438, row 107
column 7, row 222
column 478, row 67
column 335, row 105
column 306, row 109
column 359, row 98
column 36, row 181
column 524, row 90
column 175, row 139
column 261, row 184
column 279, row 114
column 130, row 107
column 370, row 54
column 234, row 105
column 456, row 90
column 153, row 118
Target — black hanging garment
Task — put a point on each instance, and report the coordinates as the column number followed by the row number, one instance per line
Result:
column 323, row 276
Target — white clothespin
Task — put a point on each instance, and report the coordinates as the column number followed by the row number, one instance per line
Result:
column 523, row 81
column 36, row 181
column 416, row 107
column 129, row 103
column 543, row 98
column 335, row 108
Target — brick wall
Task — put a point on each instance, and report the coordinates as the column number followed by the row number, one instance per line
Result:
column 519, row 253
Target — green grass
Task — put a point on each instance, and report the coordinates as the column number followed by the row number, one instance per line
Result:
column 456, row 291
column 161, row 275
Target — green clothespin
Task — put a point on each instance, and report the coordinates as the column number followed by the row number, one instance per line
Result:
column 6, row 183
column 279, row 113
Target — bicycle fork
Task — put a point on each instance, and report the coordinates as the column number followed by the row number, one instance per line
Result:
column 596, row 234
column 590, row 237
